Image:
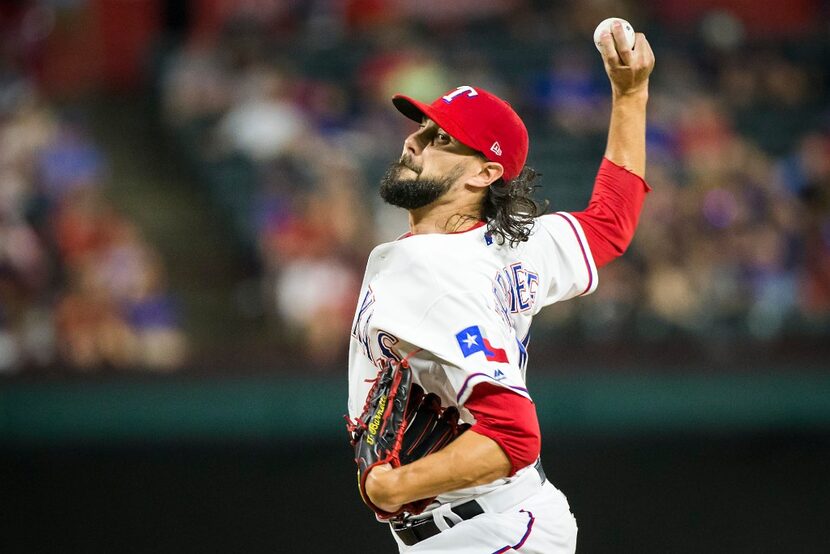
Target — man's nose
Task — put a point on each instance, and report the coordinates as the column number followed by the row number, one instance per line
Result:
column 412, row 145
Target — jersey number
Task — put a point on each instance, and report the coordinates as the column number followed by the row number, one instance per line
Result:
column 459, row 91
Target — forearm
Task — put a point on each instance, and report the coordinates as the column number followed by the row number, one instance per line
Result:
column 627, row 131
column 611, row 218
column 471, row 460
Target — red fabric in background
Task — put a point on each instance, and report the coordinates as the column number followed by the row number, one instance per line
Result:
column 126, row 29
column 762, row 19
column 98, row 43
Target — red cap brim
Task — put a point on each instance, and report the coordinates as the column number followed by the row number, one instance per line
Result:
column 412, row 109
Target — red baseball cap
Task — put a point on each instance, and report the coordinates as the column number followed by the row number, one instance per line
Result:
column 478, row 119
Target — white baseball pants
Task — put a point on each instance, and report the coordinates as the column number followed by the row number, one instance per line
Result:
column 542, row 523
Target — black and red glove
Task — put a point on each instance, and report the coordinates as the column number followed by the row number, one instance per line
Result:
column 399, row 424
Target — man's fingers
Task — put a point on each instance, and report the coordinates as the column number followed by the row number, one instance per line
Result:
column 623, row 48
column 628, row 70
column 608, row 50
column 642, row 58
column 644, row 51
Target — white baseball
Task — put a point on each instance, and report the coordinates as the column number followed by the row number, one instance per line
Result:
column 606, row 26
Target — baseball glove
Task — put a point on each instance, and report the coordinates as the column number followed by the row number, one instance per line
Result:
column 399, row 424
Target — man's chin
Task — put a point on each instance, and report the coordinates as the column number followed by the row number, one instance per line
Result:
column 411, row 192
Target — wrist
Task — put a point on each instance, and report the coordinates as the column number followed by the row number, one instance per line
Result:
column 382, row 487
column 638, row 95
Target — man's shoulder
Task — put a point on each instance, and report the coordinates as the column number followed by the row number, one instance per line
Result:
column 557, row 222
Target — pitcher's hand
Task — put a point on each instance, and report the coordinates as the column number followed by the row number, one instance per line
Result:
column 628, row 70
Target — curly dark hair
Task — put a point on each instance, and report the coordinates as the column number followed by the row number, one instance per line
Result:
column 510, row 209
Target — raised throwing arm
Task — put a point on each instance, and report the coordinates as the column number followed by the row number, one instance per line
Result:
column 619, row 191
column 628, row 72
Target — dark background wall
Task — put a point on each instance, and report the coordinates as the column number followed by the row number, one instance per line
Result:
column 650, row 463
column 676, row 493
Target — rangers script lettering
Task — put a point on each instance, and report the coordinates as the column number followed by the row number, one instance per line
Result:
column 515, row 290
column 360, row 329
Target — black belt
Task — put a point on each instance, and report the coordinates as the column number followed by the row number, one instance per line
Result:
column 412, row 531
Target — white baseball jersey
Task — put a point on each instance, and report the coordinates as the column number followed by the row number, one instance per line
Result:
column 461, row 305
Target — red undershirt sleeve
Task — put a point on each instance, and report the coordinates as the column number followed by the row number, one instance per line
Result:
column 509, row 419
column 612, row 214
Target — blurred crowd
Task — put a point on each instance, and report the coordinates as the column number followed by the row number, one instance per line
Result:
column 735, row 238
column 282, row 112
column 80, row 287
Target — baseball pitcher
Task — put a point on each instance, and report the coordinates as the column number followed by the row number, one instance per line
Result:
column 444, row 429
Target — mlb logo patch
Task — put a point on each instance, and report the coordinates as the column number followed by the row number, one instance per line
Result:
column 472, row 340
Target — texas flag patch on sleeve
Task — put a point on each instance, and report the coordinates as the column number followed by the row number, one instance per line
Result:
column 472, row 340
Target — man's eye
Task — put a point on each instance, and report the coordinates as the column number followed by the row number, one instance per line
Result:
column 443, row 138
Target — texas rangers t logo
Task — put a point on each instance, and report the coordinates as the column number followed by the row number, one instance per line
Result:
column 471, row 340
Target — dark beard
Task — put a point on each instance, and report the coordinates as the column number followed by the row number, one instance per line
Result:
column 412, row 194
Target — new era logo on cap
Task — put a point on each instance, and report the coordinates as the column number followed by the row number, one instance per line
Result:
column 479, row 119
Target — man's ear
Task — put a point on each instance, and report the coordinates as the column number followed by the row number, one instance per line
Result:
column 489, row 173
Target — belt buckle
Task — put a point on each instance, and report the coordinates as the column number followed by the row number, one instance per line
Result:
column 402, row 523
column 412, row 531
